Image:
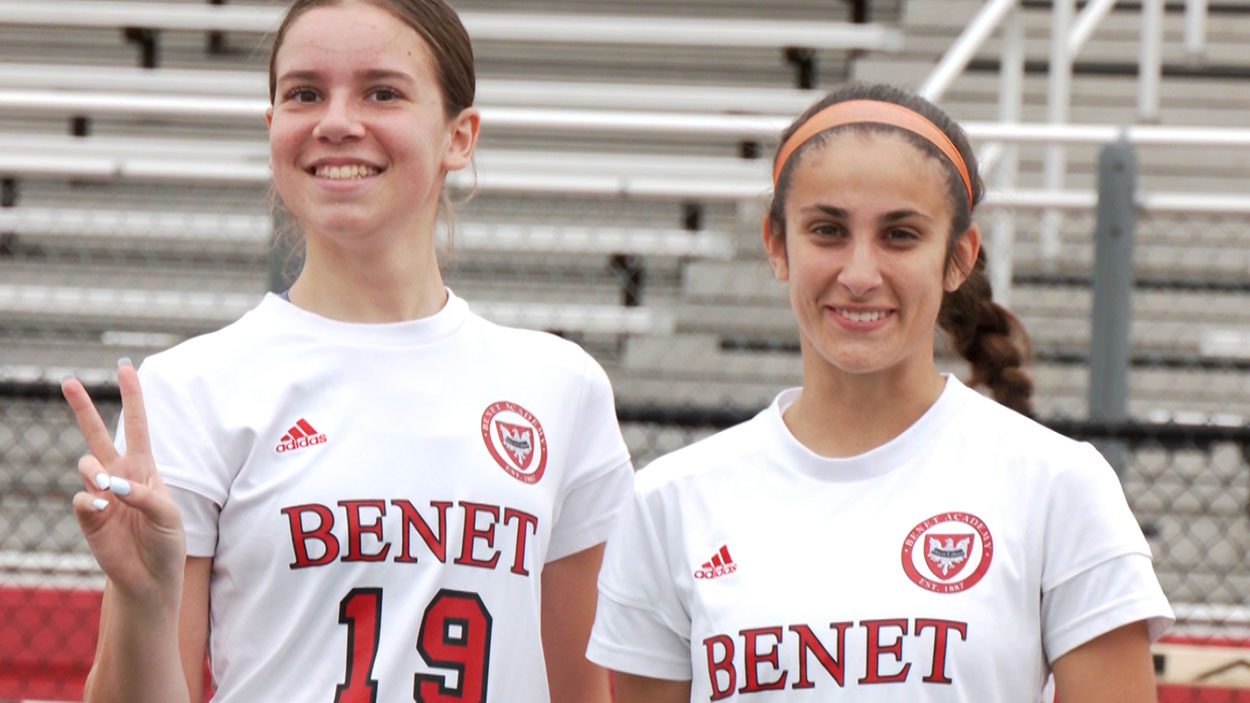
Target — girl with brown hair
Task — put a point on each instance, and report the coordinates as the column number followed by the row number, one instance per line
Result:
column 883, row 533
column 360, row 491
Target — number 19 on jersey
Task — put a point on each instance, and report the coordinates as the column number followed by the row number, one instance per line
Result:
column 454, row 635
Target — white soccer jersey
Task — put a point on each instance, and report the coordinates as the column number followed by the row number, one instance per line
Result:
column 951, row 564
column 379, row 500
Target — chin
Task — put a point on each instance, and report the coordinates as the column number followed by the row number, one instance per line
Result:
column 857, row 361
column 858, row 368
column 342, row 224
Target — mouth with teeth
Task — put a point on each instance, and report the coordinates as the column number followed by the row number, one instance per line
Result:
column 862, row 316
column 345, row 172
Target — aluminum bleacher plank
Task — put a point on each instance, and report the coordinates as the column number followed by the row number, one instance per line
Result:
column 103, row 306
column 491, row 92
column 71, row 226
column 482, row 26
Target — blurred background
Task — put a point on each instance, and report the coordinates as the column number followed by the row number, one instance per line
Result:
column 616, row 201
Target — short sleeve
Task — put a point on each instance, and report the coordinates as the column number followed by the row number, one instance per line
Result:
column 1088, row 521
column 1112, row 594
column 182, row 441
column 641, row 625
column 199, row 521
column 600, row 475
column 1097, row 574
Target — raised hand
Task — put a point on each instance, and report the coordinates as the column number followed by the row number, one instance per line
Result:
column 132, row 526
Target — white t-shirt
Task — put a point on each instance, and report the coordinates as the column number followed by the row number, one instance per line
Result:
column 953, row 563
column 379, row 500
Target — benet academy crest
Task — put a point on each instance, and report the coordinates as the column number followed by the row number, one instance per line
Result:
column 515, row 440
column 948, row 553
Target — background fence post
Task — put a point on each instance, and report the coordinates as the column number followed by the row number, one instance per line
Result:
column 1110, row 351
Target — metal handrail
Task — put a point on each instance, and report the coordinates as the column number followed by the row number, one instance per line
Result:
column 1068, row 36
column 1086, row 22
column 965, row 47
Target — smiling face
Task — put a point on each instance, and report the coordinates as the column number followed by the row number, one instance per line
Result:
column 359, row 136
column 865, row 253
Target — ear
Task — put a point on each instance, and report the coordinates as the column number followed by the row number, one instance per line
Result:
column 775, row 245
column 967, row 249
column 269, row 117
column 463, row 139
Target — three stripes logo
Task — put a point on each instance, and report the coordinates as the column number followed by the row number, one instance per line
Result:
column 301, row 435
column 721, row 564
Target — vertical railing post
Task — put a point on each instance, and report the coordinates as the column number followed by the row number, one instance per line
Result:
column 1110, row 340
column 1150, row 64
column 1196, row 30
column 1059, row 100
column 1010, row 102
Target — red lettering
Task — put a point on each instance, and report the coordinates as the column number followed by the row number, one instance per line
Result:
column 875, row 650
column 808, row 642
column 369, row 535
column 411, row 519
column 752, row 658
column 941, row 630
column 472, row 534
column 321, row 533
column 725, row 665
column 523, row 520
column 356, row 530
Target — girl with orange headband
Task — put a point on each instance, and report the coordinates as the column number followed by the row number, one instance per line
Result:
column 883, row 533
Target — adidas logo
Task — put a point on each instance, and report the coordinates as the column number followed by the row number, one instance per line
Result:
column 721, row 564
column 299, row 436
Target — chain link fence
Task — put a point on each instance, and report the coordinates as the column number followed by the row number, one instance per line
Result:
column 1189, row 486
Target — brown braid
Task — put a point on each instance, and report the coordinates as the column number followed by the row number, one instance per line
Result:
column 990, row 338
column 982, row 331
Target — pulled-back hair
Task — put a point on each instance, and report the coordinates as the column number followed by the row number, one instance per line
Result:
column 449, row 45
column 437, row 25
column 992, row 339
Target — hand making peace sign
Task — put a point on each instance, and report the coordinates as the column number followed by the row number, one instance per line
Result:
column 131, row 524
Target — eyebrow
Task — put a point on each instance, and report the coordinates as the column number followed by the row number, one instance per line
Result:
column 889, row 217
column 374, row 74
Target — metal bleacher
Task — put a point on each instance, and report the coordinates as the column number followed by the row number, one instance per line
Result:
column 149, row 221
column 136, row 211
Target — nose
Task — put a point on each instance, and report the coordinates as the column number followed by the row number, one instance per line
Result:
column 860, row 272
column 339, row 121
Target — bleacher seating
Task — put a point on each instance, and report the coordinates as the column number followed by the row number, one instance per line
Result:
column 155, row 226
column 149, row 142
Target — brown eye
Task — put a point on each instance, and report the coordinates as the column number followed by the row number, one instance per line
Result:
column 900, row 235
column 385, row 95
column 302, row 95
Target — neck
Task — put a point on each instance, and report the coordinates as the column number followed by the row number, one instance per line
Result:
column 358, row 283
column 864, row 410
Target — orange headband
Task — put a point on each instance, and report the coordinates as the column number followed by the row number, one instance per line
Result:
column 874, row 112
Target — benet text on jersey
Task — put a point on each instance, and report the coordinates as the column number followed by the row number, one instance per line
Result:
column 397, row 530
column 802, row 656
